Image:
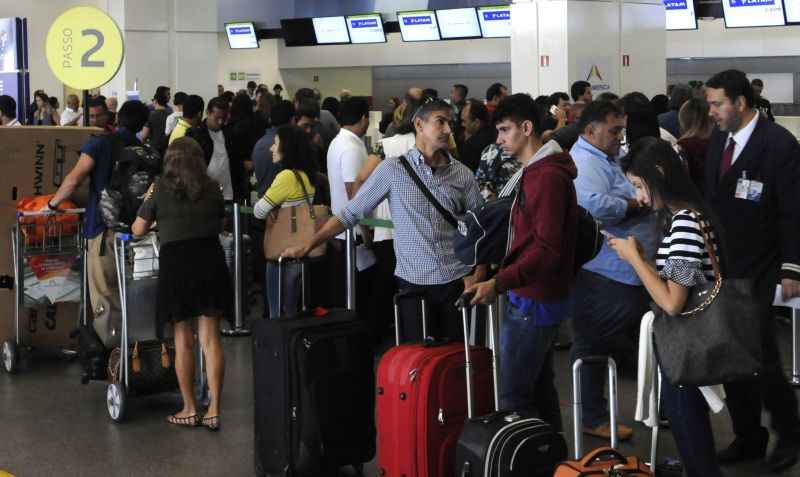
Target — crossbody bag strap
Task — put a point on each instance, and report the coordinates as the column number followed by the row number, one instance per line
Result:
column 305, row 195
column 448, row 216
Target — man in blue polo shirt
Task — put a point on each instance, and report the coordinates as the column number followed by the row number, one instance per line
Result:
column 97, row 162
column 609, row 298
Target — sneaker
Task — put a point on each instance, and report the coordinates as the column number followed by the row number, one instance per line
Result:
column 603, row 431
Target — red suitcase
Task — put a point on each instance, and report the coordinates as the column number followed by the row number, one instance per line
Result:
column 422, row 405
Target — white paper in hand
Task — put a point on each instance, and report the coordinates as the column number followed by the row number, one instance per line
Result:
column 779, row 301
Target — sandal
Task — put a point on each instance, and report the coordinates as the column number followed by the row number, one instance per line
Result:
column 212, row 423
column 189, row 421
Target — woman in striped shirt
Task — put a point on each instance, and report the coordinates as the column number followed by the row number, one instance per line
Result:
column 663, row 183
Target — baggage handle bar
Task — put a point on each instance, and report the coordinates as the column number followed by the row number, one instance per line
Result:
column 350, row 258
column 577, row 404
column 464, row 305
column 423, row 304
column 795, row 348
column 302, row 263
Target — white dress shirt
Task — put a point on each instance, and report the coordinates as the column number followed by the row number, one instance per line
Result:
column 70, row 115
column 346, row 156
column 742, row 137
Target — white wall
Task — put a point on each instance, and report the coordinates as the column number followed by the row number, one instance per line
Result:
column 329, row 81
column 262, row 62
column 713, row 40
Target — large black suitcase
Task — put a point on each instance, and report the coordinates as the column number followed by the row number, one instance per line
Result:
column 314, row 394
column 504, row 443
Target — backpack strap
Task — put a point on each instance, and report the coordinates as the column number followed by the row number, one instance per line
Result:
column 448, row 216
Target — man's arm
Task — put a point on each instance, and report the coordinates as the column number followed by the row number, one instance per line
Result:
column 74, row 179
column 787, row 173
column 591, row 186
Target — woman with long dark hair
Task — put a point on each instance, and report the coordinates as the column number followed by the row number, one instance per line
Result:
column 44, row 115
column 292, row 149
column 662, row 182
column 193, row 283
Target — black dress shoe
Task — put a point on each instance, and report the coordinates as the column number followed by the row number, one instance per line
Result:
column 784, row 455
column 741, row 450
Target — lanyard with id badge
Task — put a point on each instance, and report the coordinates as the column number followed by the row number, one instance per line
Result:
column 748, row 189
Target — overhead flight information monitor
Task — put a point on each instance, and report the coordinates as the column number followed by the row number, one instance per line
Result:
column 680, row 15
column 753, row 13
column 241, row 35
column 418, row 25
column 366, row 28
column 458, row 23
column 495, row 21
column 331, row 30
column 792, row 10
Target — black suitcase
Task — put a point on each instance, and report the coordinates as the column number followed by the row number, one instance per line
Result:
column 505, row 443
column 314, row 394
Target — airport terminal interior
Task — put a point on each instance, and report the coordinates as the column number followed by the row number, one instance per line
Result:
column 399, row 238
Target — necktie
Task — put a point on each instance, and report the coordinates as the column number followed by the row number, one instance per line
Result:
column 727, row 158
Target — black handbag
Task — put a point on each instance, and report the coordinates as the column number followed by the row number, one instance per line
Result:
column 717, row 340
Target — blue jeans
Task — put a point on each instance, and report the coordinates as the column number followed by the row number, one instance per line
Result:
column 605, row 321
column 291, row 289
column 526, row 366
column 691, row 427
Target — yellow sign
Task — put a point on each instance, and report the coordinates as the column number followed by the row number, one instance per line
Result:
column 84, row 48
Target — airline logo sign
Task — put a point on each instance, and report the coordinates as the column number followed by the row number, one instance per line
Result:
column 497, row 15
column 594, row 73
column 676, row 4
column 239, row 30
column 417, row 20
column 751, row 3
column 365, row 23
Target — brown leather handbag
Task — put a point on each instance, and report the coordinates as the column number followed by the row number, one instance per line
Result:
column 604, row 462
column 295, row 225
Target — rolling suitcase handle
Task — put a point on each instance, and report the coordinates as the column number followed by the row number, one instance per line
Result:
column 424, row 305
column 302, row 284
column 464, row 305
column 578, row 403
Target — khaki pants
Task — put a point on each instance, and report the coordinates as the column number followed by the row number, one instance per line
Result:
column 103, row 289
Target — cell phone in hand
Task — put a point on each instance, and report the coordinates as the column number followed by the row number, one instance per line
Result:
column 554, row 110
column 607, row 234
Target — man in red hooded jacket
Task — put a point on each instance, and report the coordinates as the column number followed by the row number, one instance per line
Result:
column 538, row 269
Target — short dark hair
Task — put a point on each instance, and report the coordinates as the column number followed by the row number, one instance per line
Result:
column 193, row 106
column 431, row 93
column 353, row 110
column 757, row 82
column 277, row 86
column 220, row 102
column 305, row 93
column 97, row 103
column 161, row 96
column 179, row 98
column 477, row 110
column 228, row 95
column 251, row 85
column 578, row 89
column 133, row 115
column 597, row 112
column 558, row 96
column 430, row 107
column 735, row 84
column 333, row 105
column 308, row 108
column 680, row 94
column 635, row 102
column 494, row 91
column 462, row 89
column 8, row 106
column 608, row 96
column 281, row 113
column 296, row 150
column 520, row 107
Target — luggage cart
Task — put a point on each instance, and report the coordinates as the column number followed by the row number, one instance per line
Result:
column 37, row 237
column 137, row 276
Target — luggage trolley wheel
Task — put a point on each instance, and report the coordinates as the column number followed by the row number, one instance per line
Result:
column 116, row 401
column 10, row 357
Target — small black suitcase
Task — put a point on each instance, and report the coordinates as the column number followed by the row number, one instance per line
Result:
column 504, row 443
column 314, row 394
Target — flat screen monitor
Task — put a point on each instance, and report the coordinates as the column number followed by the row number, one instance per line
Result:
column 366, row 28
column 241, row 35
column 458, row 23
column 753, row 13
column 331, row 30
column 419, row 25
column 495, row 21
column 680, row 15
column 792, row 8
column 298, row 32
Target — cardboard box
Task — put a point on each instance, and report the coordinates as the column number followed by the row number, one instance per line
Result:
column 35, row 161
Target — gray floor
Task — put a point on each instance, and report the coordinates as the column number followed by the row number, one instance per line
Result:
column 50, row 424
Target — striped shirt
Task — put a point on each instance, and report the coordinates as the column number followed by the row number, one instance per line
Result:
column 423, row 240
column 682, row 257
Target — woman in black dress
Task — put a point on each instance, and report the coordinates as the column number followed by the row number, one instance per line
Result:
column 193, row 277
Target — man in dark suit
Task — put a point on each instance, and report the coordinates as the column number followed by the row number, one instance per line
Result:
column 752, row 172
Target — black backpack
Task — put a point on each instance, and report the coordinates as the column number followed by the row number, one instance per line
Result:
column 135, row 169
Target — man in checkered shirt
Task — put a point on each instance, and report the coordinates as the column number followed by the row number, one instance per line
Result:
column 423, row 242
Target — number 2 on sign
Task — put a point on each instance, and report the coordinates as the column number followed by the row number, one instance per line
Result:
column 85, row 61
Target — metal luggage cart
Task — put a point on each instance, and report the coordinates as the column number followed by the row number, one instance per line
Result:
column 37, row 236
column 137, row 276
